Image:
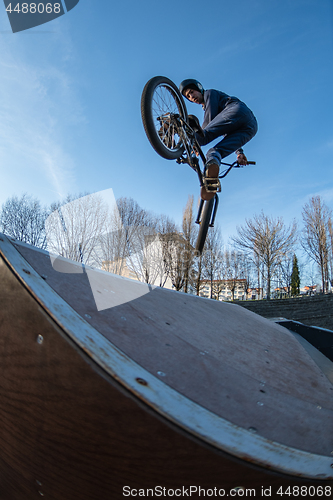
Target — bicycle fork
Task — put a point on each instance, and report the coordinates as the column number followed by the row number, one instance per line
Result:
column 194, row 164
column 212, row 220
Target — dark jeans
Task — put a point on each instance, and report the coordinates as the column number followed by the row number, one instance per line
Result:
column 236, row 123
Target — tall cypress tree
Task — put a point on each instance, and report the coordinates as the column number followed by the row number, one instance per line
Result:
column 295, row 280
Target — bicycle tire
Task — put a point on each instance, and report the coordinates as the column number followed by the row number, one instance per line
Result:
column 160, row 96
column 204, row 225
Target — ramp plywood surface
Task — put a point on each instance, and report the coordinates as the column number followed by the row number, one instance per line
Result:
column 227, row 378
column 232, row 362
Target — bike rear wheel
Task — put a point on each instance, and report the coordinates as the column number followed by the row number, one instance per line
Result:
column 160, row 99
column 204, row 225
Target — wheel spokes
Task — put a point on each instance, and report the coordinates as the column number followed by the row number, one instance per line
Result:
column 165, row 103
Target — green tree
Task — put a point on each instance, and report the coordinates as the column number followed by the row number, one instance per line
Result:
column 295, row 279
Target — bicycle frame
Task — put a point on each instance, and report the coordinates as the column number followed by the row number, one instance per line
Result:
column 187, row 137
column 174, row 139
column 192, row 151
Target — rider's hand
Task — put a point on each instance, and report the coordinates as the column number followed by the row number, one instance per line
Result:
column 241, row 158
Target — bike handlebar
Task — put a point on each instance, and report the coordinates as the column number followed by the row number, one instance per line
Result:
column 231, row 165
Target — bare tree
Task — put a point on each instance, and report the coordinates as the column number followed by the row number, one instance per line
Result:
column 235, row 270
column 24, row 219
column 311, row 276
column 167, row 231
column 316, row 237
column 284, row 272
column 146, row 254
column 174, row 248
column 74, row 228
column 259, row 267
column 130, row 217
column 267, row 241
column 330, row 232
column 129, row 242
column 218, row 284
column 213, row 260
column 248, row 272
column 178, row 248
column 197, row 273
column 190, row 233
column 113, row 249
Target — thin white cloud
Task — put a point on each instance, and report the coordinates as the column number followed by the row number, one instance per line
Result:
column 325, row 194
column 38, row 106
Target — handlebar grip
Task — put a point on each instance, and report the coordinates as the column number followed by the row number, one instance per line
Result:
column 251, row 163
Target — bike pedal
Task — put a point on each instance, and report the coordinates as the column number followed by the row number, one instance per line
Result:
column 182, row 159
column 212, row 184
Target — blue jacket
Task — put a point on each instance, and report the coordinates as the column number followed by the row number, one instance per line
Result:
column 215, row 101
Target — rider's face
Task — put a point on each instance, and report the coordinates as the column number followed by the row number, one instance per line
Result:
column 194, row 96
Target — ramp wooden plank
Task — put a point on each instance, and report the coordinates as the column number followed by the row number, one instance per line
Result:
column 170, row 395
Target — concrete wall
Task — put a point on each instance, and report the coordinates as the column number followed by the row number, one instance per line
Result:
column 312, row 311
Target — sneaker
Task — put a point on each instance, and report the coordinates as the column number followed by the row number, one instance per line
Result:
column 212, row 170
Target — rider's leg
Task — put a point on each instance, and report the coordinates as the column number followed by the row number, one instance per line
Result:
column 237, row 123
column 211, row 177
column 234, row 116
column 232, row 142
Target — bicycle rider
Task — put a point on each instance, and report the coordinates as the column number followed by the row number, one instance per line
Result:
column 225, row 116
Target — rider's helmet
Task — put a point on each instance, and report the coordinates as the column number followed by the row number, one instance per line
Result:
column 192, row 84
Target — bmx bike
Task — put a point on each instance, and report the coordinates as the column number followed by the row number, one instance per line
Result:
column 165, row 120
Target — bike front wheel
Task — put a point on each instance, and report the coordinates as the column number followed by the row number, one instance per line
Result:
column 204, row 225
column 160, row 100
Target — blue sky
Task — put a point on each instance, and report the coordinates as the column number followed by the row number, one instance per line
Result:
column 70, row 101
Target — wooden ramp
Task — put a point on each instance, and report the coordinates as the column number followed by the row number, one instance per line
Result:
column 108, row 383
